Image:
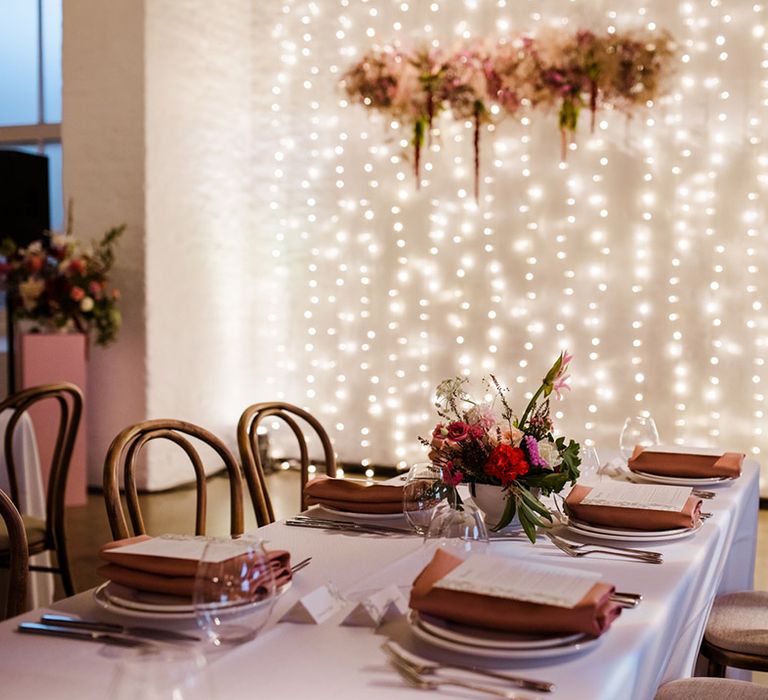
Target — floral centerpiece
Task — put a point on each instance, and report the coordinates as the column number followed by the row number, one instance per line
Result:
column 488, row 443
column 60, row 284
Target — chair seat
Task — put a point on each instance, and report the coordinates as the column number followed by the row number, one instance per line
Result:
column 739, row 622
column 35, row 528
column 711, row 689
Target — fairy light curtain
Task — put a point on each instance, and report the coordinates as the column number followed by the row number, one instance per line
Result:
column 641, row 255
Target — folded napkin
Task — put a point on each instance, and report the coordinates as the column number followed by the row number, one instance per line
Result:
column 593, row 614
column 167, row 574
column 686, row 464
column 353, row 496
column 631, row 518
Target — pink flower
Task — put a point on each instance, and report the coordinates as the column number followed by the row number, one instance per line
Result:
column 77, row 293
column 476, row 431
column 439, row 431
column 458, row 431
column 94, row 288
column 451, row 476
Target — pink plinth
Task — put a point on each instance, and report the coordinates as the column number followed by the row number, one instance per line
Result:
column 44, row 358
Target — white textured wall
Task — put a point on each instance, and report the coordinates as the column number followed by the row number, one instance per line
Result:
column 644, row 256
column 103, row 141
column 288, row 255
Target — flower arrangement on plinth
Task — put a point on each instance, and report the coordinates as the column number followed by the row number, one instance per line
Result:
column 480, row 82
column 488, row 443
column 62, row 285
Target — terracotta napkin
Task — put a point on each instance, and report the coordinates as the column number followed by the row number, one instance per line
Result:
column 167, row 575
column 354, row 496
column 631, row 518
column 593, row 614
column 686, row 464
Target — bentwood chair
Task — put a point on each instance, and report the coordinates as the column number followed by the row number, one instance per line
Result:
column 13, row 539
column 126, row 448
column 248, row 443
column 737, row 633
column 711, row 689
column 49, row 534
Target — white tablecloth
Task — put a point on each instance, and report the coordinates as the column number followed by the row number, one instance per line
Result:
column 656, row 642
column 31, row 500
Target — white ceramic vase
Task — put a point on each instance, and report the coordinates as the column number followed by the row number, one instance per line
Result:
column 492, row 500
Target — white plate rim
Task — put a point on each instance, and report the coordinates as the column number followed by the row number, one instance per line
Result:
column 156, row 613
column 486, row 652
column 682, row 480
column 606, row 530
column 434, row 625
column 362, row 516
column 648, row 535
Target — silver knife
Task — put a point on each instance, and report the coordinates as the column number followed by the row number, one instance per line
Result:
column 111, row 628
column 85, row 635
column 393, row 648
column 344, row 526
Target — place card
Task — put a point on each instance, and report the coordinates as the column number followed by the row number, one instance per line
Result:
column 643, row 496
column 374, row 610
column 519, row 579
column 315, row 607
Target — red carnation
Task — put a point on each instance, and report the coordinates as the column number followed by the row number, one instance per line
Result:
column 506, row 463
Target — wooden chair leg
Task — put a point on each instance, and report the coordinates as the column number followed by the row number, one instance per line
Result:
column 715, row 669
column 66, row 574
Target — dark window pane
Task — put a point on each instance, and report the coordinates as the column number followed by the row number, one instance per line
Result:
column 53, row 151
column 51, row 61
column 18, row 62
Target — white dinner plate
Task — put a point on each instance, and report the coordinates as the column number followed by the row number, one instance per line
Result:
column 606, row 530
column 578, row 646
column 682, row 480
column 124, row 601
column 495, row 639
column 633, row 535
column 364, row 516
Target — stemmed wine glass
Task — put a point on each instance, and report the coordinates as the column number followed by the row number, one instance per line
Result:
column 637, row 430
column 234, row 590
column 589, row 469
column 461, row 532
column 424, row 490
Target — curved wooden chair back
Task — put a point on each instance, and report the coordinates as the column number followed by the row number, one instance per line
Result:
column 18, row 575
column 126, row 448
column 69, row 399
column 250, row 455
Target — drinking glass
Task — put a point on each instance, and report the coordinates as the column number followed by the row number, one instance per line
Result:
column 155, row 672
column 234, row 590
column 637, row 430
column 424, row 490
column 589, row 469
column 460, row 532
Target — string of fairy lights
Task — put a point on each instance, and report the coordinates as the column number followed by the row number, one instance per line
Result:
column 640, row 253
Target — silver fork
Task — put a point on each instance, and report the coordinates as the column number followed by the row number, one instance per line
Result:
column 416, row 681
column 612, row 552
column 424, row 667
column 575, row 546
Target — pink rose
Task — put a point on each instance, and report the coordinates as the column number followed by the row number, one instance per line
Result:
column 77, row 293
column 458, row 431
column 94, row 288
column 439, row 431
column 476, row 431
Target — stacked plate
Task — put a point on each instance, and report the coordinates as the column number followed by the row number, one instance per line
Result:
column 486, row 643
column 602, row 532
column 132, row 603
column 680, row 480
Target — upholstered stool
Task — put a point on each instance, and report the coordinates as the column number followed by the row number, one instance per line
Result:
column 711, row 689
column 737, row 633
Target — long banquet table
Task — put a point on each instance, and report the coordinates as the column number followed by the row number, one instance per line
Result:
column 656, row 642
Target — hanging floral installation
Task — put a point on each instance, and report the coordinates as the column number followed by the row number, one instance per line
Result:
column 480, row 83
